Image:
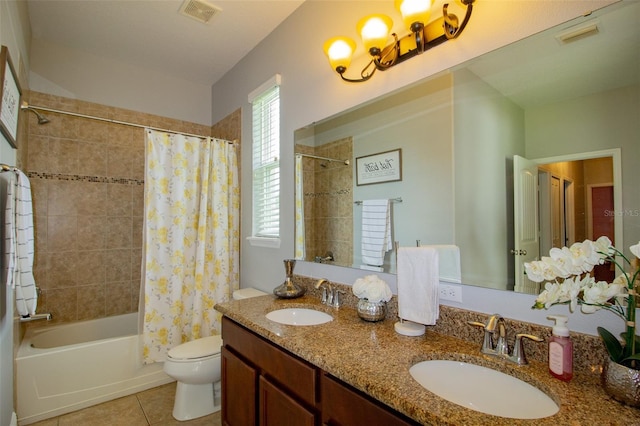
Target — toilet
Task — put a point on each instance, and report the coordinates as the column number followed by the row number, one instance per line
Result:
column 196, row 366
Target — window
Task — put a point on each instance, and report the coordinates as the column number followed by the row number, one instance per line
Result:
column 266, row 163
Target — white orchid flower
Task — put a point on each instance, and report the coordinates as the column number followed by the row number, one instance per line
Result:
column 561, row 262
column 590, row 253
column 549, row 296
column 603, row 245
column 599, row 293
column 535, row 271
column 580, row 288
column 570, row 289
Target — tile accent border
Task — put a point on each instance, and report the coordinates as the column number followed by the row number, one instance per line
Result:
column 80, row 178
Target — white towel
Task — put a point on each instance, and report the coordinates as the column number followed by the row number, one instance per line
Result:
column 418, row 299
column 19, row 245
column 449, row 262
column 372, row 268
column 376, row 231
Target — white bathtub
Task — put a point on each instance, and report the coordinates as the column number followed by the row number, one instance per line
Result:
column 63, row 368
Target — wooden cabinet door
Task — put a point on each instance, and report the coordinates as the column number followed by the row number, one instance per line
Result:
column 239, row 390
column 344, row 406
column 279, row 409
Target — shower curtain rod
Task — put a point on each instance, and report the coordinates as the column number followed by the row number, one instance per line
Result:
column 346, row 162
column 25, row 105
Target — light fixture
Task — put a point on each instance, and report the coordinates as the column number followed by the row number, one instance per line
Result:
column 374, row 31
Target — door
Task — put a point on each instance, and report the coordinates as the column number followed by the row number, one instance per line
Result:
column 239, row 387
column 526, row 227
column 277, row 408
column 600, row 222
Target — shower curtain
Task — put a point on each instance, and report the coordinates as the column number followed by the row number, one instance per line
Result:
column 191, row 238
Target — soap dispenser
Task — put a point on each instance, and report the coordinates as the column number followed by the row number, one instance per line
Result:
column 560, row 349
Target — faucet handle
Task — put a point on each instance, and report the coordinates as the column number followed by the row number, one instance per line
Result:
column 337, row 302
column 323, row 299
column 487, row 343
column 518, row 355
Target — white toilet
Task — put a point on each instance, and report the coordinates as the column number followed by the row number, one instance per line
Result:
column 196, row 366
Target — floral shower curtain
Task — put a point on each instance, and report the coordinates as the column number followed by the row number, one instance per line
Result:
column 191, row 238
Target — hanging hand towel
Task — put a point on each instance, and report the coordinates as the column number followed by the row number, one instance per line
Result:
column 449, row 262
column 19, row 244
column 376, row 231
column 418, row 284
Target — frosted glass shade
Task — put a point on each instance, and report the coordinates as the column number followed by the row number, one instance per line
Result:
column 339, row 50
column 374, row 31
column 413, row 11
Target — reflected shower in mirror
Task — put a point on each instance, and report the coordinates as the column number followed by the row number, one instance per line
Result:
column 548, row 98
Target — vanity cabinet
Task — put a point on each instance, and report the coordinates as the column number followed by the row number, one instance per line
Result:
column 346, row 406
column 262, row 384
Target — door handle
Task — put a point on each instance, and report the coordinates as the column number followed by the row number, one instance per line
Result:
column 518, row 252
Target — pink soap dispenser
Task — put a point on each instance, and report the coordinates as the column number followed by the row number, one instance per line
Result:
column 560, row 349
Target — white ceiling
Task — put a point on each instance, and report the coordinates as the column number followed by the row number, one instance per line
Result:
column 540, row 70
column 152, row 34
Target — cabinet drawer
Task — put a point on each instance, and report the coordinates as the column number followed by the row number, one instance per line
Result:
column 290, row 372
column 345, row 406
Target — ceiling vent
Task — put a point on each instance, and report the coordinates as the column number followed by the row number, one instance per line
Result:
column 199, row 10
column 578, row 32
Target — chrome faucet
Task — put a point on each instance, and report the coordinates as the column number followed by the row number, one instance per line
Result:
column 495, row 324
column 330, row 296
column 328, row 257
column 36, row 317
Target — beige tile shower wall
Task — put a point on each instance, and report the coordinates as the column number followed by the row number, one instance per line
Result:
column 87, row 180
column 335, row 212
column 329, row 202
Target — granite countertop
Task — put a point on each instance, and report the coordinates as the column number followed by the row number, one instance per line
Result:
column 372, row 357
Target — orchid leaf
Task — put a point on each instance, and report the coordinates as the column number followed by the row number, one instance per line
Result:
column 632, row 357
column 613, row 345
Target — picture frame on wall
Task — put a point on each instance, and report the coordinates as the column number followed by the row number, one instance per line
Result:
column 10, row 93
column 378, row 168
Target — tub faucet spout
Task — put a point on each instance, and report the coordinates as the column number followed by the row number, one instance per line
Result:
column 36, row 317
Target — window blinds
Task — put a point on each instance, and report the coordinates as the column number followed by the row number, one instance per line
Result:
column 266, row 163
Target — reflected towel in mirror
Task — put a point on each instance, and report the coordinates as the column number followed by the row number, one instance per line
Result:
column 376, row 231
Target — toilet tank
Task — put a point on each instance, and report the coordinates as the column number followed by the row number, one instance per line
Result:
column 246, row 293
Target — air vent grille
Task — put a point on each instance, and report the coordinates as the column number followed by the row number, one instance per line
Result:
column 578, row 32
column 199, row 10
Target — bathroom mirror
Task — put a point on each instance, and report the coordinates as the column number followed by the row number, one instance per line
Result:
column 568, row 96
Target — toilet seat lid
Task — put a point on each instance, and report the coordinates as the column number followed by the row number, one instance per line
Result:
column 199, row 348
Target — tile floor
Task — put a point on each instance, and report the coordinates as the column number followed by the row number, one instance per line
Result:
column 148, row 408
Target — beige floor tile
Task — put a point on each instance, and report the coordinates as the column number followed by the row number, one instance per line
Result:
column 47, row 422
column 151, row 407
column 120, row 412
column 157, row 403
column 210, row 420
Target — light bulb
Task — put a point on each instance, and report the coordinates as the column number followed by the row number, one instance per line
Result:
column 414, row 12
column 339, row 51
column 374, row 30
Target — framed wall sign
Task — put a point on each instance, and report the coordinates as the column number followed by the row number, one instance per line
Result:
column 378, row 168
column 9, row 98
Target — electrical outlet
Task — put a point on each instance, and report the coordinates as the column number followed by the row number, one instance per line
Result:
column 452, row 293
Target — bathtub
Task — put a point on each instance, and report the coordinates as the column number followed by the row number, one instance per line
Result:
column 66, row 367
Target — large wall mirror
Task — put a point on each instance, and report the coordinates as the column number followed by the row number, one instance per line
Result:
column 528, row 147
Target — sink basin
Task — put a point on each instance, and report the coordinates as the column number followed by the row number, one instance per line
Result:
column 299, row 316
column 483, row 389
